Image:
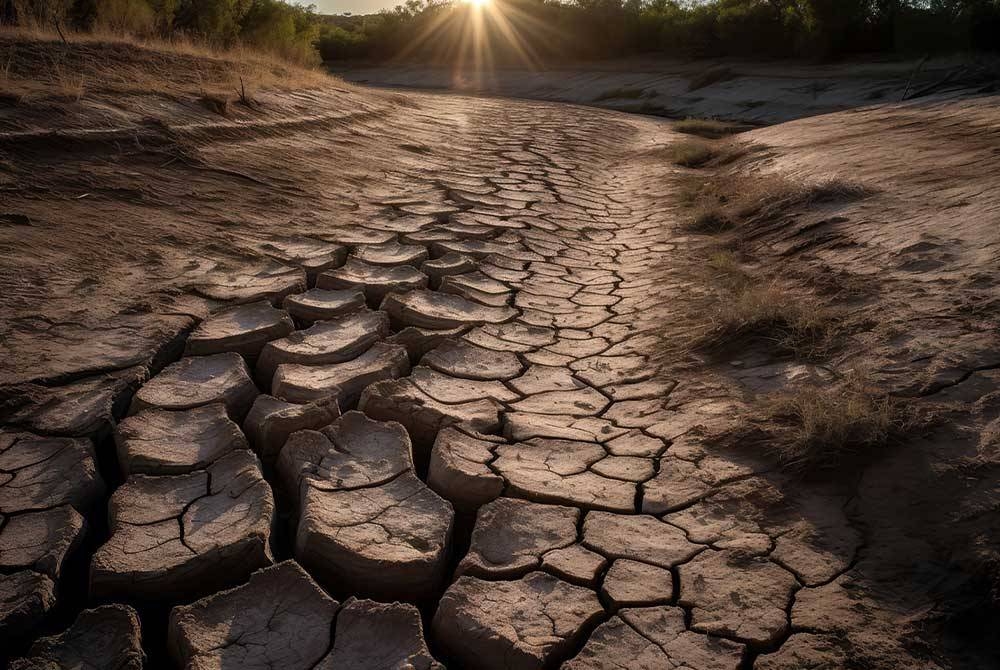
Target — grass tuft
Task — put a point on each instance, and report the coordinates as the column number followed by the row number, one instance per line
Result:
column 708, row 128
column 691, row 154
column 769, row 199
column 816, row 429
column 217, row 104
column 746, row 310
column 759, row 202
column 709, row 222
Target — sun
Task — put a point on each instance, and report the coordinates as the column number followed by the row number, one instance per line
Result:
column 477, row 3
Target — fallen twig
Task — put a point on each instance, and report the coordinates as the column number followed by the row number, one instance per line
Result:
column 913, row 74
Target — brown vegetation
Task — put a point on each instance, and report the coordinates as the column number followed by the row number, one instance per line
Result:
column 806, row 428
column 691, row 154
column 699, row 154
column 36, row 65
column 814, row 429
column 709, row 128
column 751, row 204
column 746, row 308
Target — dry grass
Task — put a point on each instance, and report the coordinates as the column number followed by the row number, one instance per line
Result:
column 699, row 154
column 708, row 222
column 746, row 310
column 816, row 429
column 753, row 204
column 691, row 154
column 708, row 128
column 37, row 65
column 766, row 199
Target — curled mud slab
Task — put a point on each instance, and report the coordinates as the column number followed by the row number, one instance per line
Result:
column 524, row 473
column 160, row 442
column 182, row 536
column 105, row 637
column 366, row 523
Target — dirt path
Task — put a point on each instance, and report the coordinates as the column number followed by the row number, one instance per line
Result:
column 494, row 277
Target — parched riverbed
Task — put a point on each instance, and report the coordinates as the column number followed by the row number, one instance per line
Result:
column 382, row 385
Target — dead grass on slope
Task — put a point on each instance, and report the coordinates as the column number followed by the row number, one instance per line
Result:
column 752, row 204
column 709, row 128
column 697, row 154
column 774, row 310
column 815, row 429
column 35, row 65
column 746, row 309
column 691, row 154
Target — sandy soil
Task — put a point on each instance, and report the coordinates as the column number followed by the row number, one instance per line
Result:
column 764, row 93
column 127, row 218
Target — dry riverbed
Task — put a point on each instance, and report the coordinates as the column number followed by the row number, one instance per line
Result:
column 350, row 378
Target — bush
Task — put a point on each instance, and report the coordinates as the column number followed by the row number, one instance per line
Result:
column 134, row 17
column 279, row 28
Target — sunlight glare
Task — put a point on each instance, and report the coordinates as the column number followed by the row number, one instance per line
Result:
column 477, row 3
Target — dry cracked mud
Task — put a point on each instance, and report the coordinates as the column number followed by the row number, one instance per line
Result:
column 430, row 426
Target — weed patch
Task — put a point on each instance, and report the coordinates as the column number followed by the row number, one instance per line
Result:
column 746, row 310
column 710, row 129
column 821, row 429
column 691, row 154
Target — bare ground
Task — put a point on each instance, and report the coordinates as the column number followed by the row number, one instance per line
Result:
column 124, row 209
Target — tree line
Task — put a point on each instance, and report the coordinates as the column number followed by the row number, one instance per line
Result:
column 558, row 29
column 540, row 31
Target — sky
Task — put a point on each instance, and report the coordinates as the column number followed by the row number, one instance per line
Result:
column 353, row 6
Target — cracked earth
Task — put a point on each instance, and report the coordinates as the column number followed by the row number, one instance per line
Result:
column 428, row 421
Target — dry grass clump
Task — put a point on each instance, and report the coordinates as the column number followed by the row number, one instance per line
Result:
column 699, row 154
column 815, row 429
column 691, row 154
column 746, row 310
column 708, row 128
column 760, row 202
column 709, row 222
column 767, row 199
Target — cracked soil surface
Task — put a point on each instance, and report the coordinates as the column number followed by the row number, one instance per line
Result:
column 402, row 348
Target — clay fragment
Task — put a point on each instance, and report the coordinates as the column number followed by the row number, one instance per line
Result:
column 528, row 624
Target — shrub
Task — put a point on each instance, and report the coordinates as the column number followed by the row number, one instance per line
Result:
column 282, row 29
column 124, row 17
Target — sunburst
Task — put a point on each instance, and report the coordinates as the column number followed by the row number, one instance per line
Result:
column 471, row 35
